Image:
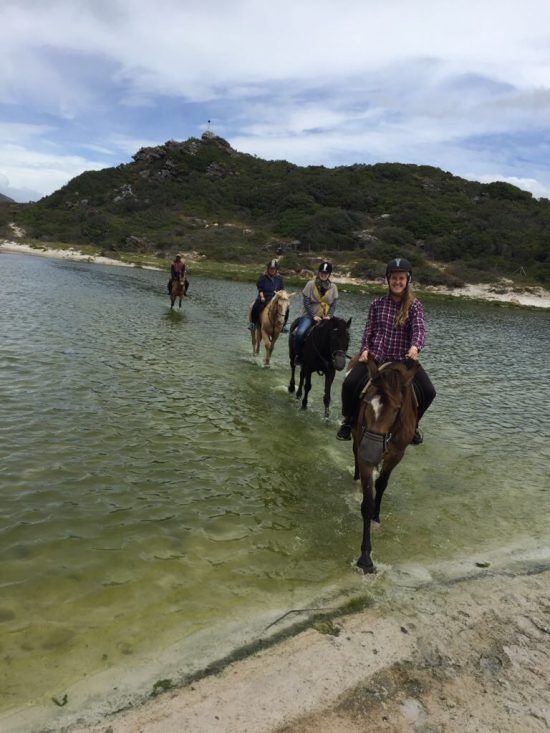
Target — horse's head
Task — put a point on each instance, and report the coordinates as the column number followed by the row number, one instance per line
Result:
column 280, row 304
column 383, row 399
column 339, row 341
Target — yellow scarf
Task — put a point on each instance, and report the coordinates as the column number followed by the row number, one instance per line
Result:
column 325, row 307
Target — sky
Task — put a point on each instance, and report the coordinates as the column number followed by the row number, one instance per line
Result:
column 464, row 86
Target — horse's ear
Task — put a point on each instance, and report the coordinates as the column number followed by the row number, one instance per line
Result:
column 290, row 295
column 411, row 373
column 373, row 369
column 348, row 323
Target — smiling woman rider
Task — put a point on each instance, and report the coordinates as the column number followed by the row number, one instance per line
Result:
column 395, row 331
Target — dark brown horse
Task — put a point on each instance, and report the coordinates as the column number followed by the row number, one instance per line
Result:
column 384, row 428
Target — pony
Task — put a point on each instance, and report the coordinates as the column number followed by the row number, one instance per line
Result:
column 324, row 352
column 177, row 290
column 270, row 325
column 383, row 430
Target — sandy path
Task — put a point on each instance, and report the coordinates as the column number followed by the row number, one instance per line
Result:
column 470, row 655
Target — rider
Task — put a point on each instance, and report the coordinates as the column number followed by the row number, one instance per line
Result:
column 268, row 284
column 319, row 296
column 178, row 270
column 395, row 331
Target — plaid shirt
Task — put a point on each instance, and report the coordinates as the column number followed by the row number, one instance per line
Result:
column 383, row 340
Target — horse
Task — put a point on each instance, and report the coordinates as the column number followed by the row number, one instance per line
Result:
column 384, row 427
column 271, row 322
column 177, row 290
column 324, row 352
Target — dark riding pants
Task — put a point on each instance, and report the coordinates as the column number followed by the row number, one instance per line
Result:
column 358, row 377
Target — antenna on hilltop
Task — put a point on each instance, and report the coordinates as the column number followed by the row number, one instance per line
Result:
column 208, row 132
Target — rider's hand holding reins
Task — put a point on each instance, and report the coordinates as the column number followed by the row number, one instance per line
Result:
column 317, row 319
column 364, row 356
column 412, row 353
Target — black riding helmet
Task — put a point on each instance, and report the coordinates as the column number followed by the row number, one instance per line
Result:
column 399, row 264
column 272, row 264
column 325, row 267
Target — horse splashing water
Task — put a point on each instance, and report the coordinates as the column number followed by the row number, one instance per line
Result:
column 271, row 322
column 324, row 352
column 385, row 426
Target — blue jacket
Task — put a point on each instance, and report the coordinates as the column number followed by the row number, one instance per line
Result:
column 269, row 285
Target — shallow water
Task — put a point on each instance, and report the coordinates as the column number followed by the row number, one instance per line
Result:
column 164, row 499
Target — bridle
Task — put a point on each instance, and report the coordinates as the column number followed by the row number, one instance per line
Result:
column 279, row 314
column 333, row 354
column 372, row 446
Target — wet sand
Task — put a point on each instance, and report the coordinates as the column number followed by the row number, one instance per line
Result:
column 456, row 649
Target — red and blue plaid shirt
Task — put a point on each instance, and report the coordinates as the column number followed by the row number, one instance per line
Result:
column 386, row 342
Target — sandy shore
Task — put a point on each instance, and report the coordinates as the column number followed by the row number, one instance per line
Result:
column 455, row 650
column 503, row 292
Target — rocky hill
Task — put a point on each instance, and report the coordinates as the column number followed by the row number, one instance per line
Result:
column 6, row 199
column 202, row 194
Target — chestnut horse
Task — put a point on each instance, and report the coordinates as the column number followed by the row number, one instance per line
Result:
column 271, row 322
column 383, row 430
column 177, row 290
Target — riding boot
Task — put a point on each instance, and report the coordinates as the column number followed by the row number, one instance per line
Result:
column 417, row 437
column 344, row 433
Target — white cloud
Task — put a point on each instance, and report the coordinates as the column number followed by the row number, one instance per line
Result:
column 537, row 188
column 32, row 170
column 313, row 81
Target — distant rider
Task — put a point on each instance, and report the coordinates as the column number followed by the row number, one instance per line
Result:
column 178, row 271
column 320, row 296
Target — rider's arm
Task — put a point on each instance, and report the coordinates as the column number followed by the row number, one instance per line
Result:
column 332, row 306
column 418, row 325
column 369, row 329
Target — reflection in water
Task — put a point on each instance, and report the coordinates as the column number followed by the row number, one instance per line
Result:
column 160, row 489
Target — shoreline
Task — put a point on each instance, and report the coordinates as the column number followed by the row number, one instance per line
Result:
column 451, row 645
column 534, row 297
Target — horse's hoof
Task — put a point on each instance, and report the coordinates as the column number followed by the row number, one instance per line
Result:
column 291, row 388
column 366, row 566
column 303, row 407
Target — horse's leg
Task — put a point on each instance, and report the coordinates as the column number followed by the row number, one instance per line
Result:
column 268, row 346
column 172, row 301
column 390, row 462
column 292, row 383
column 180, row 303
column 356, row 475
column 367, row 510
column 329, row 379
column 300, row 383
column 307, row 387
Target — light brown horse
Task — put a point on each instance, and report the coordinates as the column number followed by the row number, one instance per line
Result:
column 272, row 320
column 177, row 290
column 384, row 428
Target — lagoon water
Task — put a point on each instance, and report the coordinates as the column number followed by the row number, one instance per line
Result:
column 164, row 499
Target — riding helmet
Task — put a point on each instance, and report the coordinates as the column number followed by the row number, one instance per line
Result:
column 399, row 264
column 325, row 267
column 177, row 257
column 273, row 264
